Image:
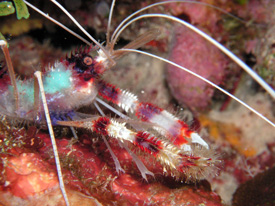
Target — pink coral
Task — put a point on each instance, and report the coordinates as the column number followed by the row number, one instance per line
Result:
column 193, row 52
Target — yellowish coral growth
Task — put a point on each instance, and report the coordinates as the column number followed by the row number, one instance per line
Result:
column 228, row 132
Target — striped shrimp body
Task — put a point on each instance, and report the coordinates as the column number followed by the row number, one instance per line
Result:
column 77, row 80
column 60, row 84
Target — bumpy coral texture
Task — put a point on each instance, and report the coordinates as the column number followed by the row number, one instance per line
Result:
column 193, row 52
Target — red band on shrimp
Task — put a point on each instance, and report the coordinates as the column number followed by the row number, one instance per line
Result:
column 179, row 140
column 145, row 111
column 147, row 143
column 100, row 125
column 109, row 92
column 184, row 131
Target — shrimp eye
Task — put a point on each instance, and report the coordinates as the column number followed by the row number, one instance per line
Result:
column 88, row 61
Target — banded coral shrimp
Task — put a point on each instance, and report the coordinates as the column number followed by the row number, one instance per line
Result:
column 133, row 123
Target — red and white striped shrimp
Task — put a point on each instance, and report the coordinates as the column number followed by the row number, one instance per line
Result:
column 77, row 80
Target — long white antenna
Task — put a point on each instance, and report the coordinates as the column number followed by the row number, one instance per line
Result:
column 253, row 74
column 57, row 22
column 79, row 26
column 109, row 22
column 107, row 54
column 205, row 80
column 169, row 2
